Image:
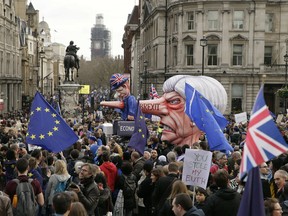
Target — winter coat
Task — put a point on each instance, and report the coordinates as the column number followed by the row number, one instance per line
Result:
column 224, row 202
column 52, row 184
column 194, row 212
column 110, row 171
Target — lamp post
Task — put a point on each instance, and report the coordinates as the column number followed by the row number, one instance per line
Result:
column 203, row 43
column 145, row 64
column 42, row 55
column 286, row 65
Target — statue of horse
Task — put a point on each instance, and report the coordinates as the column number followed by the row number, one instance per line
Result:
column 69, row 65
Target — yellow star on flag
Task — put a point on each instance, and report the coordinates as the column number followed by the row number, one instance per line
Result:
column 140, row 130
column 38, row 109
column 50, row 133
column 47, row 110
column 33, row 136
column 54, row 115
column 32, row 112
column 42, row 136
column 57, row 122
column 55, row 128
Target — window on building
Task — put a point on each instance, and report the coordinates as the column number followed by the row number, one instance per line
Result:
column 213, row 17
column 189, row 54
column 175, row 24
column 237, row 98
column 269, row 22
column 190, row 20
column 238, row 19
column 268, row 55
column 212, row 54
column 237, row 54
column 175, row 55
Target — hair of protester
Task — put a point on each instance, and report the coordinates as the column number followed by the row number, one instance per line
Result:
column 178, row 150
column 202, row 191
column 126, row 168
column 116, row 160
column 148, row 166
column 77, row 166
column 171, row 156
column 91, row 168
column 173, row 167
column 135, row 155
column 74, row 153
column 77, row 208
column 157, row 172
column 32, row 163
column 106, row 156
column 221, row 178
column 36, row 153
column 178, row 187
column 184, row 200
column 73, row 195
column 50, row 160
column 61, row 202
column 220, row 155
column 184, row 147
column 165, row 169
column 100, row 178
column 61, row 167
column 209, row 87
column 10, row 155
column 270, row 205
column 282, row 173
column 22, row 165
column 204, row 145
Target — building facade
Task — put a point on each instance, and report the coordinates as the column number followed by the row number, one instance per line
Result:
column 245, row 46
column 10, row 57
column 100, row 39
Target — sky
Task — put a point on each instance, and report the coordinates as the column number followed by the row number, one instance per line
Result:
column 73, row 19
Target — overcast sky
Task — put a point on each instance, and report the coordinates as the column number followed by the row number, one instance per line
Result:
column 73, row 20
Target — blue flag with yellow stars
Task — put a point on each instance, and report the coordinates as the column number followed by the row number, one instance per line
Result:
column 47, row 129
column 207, row 118
column 140, row 135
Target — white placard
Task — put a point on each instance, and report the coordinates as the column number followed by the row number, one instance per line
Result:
column 241, row 117
column 279, row 118
column 196, row 167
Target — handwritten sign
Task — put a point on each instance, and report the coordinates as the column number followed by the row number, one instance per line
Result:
column 241, row 117
column 196, row 167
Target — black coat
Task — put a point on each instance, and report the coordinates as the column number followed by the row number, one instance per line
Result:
column 224, row 202
column 145, row 191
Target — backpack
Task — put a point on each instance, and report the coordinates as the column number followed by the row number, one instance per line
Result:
column 62, row 186
column 26, row 202
column 129, row 186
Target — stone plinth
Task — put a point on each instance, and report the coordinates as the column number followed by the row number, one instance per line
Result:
column 69, row 99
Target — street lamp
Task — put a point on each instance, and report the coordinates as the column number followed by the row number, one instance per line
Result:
column 42, row 55
column 203, row 43
column 145, row 64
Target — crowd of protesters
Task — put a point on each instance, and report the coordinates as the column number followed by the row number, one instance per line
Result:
column 102, row 176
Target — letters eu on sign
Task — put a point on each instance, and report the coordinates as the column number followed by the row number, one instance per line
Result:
column 125, row 128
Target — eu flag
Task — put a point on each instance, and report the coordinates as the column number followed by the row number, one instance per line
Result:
column 252, row 202
column 207, row 118
column 46, row 127
column 140, row 135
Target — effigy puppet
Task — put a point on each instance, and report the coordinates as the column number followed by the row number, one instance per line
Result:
column 178, row 128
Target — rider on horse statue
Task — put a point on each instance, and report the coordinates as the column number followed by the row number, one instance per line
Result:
column 72, row 50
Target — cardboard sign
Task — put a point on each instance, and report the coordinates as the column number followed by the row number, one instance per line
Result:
column 241, row 117
column 196, row 167
column 279, row 118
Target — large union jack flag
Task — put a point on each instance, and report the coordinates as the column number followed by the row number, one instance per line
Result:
column 263, row 140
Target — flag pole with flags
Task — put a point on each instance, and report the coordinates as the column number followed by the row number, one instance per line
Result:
column 46, row 128
column 263, row 142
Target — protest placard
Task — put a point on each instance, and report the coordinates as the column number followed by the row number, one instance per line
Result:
column 241, row 117
column 196, row 167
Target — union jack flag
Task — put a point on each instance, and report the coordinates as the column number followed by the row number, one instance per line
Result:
column 153, row 92
column 263, row 140
column 116, row 78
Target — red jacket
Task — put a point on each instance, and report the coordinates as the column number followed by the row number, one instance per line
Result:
column 110, row 171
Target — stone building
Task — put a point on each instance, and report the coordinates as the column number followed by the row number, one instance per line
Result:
column 245, row 45
column 10, row 57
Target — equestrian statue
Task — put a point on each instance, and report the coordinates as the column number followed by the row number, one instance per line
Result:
column 71, row 61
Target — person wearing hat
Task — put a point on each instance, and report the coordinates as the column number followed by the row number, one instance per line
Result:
column 94, row 145
column 120, row 84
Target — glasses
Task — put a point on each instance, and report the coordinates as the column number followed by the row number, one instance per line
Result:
column 265, row 167
column 83, row 170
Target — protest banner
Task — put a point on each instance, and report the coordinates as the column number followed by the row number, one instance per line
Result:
column 196, row 167
column 241, row 117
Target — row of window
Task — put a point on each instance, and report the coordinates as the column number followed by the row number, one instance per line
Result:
column 212, row 55
column 213, row 21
